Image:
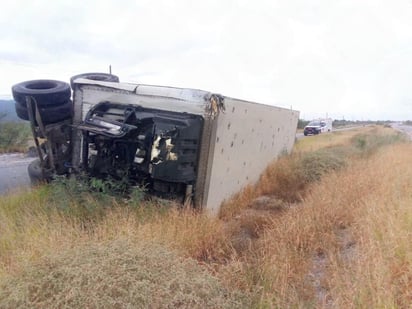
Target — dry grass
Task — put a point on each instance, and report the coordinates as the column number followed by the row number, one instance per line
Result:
column 346, row 245
column 342, row 242
column 124, row 258
column 116, row 274
column 326, row 251
column 381, row 228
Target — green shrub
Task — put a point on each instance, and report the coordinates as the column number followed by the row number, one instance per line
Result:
column 87, row 199
column 368, row 144
column 14, row 137
column 81, row 197
column 288, row 178
column 313, row 165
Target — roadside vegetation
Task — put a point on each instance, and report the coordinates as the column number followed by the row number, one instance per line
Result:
column 340, row 123
column 14, row 136
column 328, row 226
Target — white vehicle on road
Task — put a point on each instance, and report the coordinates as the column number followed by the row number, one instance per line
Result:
column 318, row 126
column 326, row 124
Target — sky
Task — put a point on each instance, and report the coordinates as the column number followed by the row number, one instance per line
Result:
column 345, row 59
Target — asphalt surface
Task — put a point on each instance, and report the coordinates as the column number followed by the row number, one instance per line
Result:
column 403, row 128
column 13, row 172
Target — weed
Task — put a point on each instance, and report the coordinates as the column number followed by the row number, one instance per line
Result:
column 82, row 198
column 137, row 196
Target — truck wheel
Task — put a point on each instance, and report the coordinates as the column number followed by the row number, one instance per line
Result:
column 49, row 114
column 35, row 173
column 104, row 77
column 46, row 92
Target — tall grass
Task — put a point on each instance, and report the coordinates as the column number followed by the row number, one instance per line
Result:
column 347, row 243
column 328, row 227
column 122, row 256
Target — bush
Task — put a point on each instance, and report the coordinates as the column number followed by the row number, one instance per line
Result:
column 368, row 144
column 14, row 137
column 313, row 165
column 88, row 199
column 82, row 197
column 288, row 178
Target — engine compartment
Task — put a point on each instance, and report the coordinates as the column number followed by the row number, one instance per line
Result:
column 151, row 148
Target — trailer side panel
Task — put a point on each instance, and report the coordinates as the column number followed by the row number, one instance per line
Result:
column 248, row 137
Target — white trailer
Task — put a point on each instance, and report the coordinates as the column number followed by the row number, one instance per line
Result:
column 326, row 124
column 187, row 144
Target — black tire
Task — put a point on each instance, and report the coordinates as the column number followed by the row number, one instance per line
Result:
column 50, row 114
column 45, row 91
column 104, row 77
column 37, row 176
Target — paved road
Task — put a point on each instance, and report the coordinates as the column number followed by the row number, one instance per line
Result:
column 13, row 172
column 404, row 128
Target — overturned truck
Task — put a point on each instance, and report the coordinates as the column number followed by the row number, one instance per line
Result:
column 189, row 145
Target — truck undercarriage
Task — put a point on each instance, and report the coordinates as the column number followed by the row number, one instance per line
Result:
column 136, row 146
column 144, row 147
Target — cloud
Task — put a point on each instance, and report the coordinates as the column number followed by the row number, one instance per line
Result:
column 338, row 57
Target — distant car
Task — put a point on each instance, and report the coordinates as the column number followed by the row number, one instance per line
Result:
column 314, row 127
